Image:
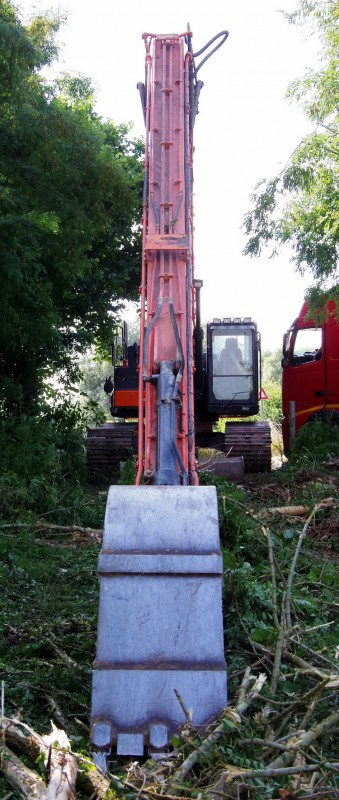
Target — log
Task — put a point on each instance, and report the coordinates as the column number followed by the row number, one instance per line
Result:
column 63, row 774
column 289, row 511
column 24, row 780
column 22, row 739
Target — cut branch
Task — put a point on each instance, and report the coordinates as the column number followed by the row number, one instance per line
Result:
column 267, row 533
column 305, row 740
column 92, row 533
column 244, row 775
column 230, row 723
column 294, row 563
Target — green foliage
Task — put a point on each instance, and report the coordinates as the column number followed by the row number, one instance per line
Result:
column 48, row 632
column 42, row 461
column 272, row 406
column 300, row 205
column 70, row 188
column 128, row 473
column 48, row 636
column 315, row 442
column 93, row 373
column 271, row 381
column 271, row 367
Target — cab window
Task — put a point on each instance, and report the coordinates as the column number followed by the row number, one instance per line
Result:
column 232, row 356
column 307, row 346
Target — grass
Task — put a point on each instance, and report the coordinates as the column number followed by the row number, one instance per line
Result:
column 49, row 605
column 49, row 626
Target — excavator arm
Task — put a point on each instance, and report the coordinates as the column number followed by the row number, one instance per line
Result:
column 160, row 628
column 166, row 451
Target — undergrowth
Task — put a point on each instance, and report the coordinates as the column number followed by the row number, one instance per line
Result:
column 49, row 601
column 316, row 443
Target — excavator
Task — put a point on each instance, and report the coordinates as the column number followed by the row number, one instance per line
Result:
column 160, row 644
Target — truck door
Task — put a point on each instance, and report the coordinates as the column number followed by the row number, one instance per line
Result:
column 332, row 364
column 304, row 375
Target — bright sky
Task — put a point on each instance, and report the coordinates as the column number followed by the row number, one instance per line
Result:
column 245, row 131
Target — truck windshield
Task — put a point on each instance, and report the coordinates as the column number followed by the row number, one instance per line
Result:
column 232, row 355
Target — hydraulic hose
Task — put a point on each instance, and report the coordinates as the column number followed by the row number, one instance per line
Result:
column 224, row 35
column 179, row 346
column 147, row 334
column 174, row 443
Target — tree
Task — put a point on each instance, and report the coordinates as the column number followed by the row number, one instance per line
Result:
column 93, row 373
column 271, row 381
column 300, row 205
column 70, row 193
column 272, row 366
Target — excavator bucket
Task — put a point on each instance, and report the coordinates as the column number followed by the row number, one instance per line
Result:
column 160, row 631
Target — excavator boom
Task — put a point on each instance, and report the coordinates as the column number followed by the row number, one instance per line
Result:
column 166, row 402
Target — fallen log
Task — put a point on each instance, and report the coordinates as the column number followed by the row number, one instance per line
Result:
column 62, row 776
column 17, row 737
column 289, row 511
column 299, row 511
column 23, row 779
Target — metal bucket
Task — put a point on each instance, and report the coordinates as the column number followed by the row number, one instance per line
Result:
column 160, row 629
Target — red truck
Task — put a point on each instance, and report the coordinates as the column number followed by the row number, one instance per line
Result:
column 310, row 371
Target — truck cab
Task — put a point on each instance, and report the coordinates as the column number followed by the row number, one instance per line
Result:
column 310, row 371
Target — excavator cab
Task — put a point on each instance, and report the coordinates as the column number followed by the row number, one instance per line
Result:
column 233, row 367
column 124, row 389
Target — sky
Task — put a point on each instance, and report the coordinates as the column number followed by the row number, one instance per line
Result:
column 245, row 131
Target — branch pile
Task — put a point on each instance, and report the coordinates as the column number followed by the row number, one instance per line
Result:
column 276, row 739
column 214, row 762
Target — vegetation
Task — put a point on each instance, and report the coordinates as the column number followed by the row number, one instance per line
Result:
column 70, row 187
column 63, row 230
column 280, row 614
column 93, row 373
column 300, row 205
column 271, row 381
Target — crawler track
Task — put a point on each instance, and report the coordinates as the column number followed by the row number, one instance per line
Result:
column 252, row 440
column 114, row 443
column 107, row 447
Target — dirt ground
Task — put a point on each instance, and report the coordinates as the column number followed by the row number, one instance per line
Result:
column 308, row 488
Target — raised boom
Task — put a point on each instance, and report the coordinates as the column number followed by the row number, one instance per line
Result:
column 160, row 629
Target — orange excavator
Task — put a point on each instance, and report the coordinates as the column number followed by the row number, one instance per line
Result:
column 160, row 629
